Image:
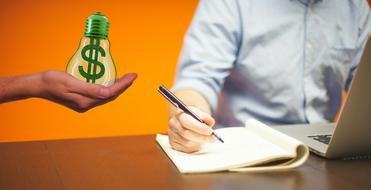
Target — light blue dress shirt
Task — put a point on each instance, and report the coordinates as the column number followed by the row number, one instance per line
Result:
column 279, row 61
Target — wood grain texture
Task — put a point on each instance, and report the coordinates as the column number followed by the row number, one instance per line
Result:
column 137, row 162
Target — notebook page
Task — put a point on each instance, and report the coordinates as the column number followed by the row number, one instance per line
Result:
column 282, row 140
column 241, row 148
column 272, row 135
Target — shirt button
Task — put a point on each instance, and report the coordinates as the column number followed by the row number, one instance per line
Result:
column 309, row 45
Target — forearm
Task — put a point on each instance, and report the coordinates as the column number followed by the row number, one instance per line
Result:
column 19, row 87
column 191, row 98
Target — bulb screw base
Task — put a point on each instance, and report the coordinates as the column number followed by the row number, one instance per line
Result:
column 97, row 26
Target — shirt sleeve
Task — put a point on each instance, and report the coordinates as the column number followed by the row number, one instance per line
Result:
column 364, row 31
column 209, row 49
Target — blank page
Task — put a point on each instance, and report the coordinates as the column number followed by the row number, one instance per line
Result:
column 241, row 148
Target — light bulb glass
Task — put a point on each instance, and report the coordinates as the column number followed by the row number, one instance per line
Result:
column 77, row 66
column 92, row 61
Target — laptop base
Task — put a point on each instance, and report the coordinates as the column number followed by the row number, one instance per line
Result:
column 306, row 132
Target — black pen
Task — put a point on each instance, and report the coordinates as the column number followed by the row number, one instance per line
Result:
column 175, row 101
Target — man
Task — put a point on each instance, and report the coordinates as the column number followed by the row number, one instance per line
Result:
column 62, row 88
column 281, row 62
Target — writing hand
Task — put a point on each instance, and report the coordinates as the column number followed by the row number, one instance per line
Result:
column 186, row 134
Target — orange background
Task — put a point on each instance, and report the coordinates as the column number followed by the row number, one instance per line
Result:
column 146, row 38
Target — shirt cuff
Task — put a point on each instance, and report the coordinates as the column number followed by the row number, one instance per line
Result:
column 204, row 89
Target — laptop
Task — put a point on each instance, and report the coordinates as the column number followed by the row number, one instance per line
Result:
column 350, row 138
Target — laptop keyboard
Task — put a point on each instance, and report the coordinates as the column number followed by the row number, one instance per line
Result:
column 321, row 138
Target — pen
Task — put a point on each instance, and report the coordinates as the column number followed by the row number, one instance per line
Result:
column 175, row 101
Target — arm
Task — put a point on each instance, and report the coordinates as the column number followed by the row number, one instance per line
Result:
column 209, row 52
column 19, row 87
column 62, row 88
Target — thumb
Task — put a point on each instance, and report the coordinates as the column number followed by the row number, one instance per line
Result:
column 122, row 84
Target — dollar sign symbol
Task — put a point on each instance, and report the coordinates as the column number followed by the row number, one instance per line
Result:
column 94, row 49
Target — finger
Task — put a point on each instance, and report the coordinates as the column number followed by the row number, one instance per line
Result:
column 65, row 103
column 73, row 101
column 82, row 103
column 192, row 124
column 99, row 91
column 173, row 136
column 191, row 135
column 107, row 94
column 122, row 84
column 119, row 87
column 206, row 118
column 89, row 90
column 179, row 147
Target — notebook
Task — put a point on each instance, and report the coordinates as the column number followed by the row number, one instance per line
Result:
column 253, row 148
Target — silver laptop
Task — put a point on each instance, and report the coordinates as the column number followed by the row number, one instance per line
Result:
column 351, row 136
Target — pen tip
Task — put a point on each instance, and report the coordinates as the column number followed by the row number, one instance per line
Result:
column 217, row 136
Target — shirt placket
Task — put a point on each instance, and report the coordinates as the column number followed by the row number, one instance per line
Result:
column 308, row 60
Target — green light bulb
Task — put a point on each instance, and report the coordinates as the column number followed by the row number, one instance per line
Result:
column 92, row 61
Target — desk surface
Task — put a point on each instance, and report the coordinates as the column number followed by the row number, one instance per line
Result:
column 137, row 162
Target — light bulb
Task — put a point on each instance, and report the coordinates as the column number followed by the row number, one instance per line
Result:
column 92, row 61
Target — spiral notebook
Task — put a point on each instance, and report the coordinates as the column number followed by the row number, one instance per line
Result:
column 255, row 147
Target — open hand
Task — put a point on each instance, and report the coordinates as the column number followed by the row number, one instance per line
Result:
column 80, row 96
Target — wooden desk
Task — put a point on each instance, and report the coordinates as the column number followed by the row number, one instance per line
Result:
column 137, row 162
